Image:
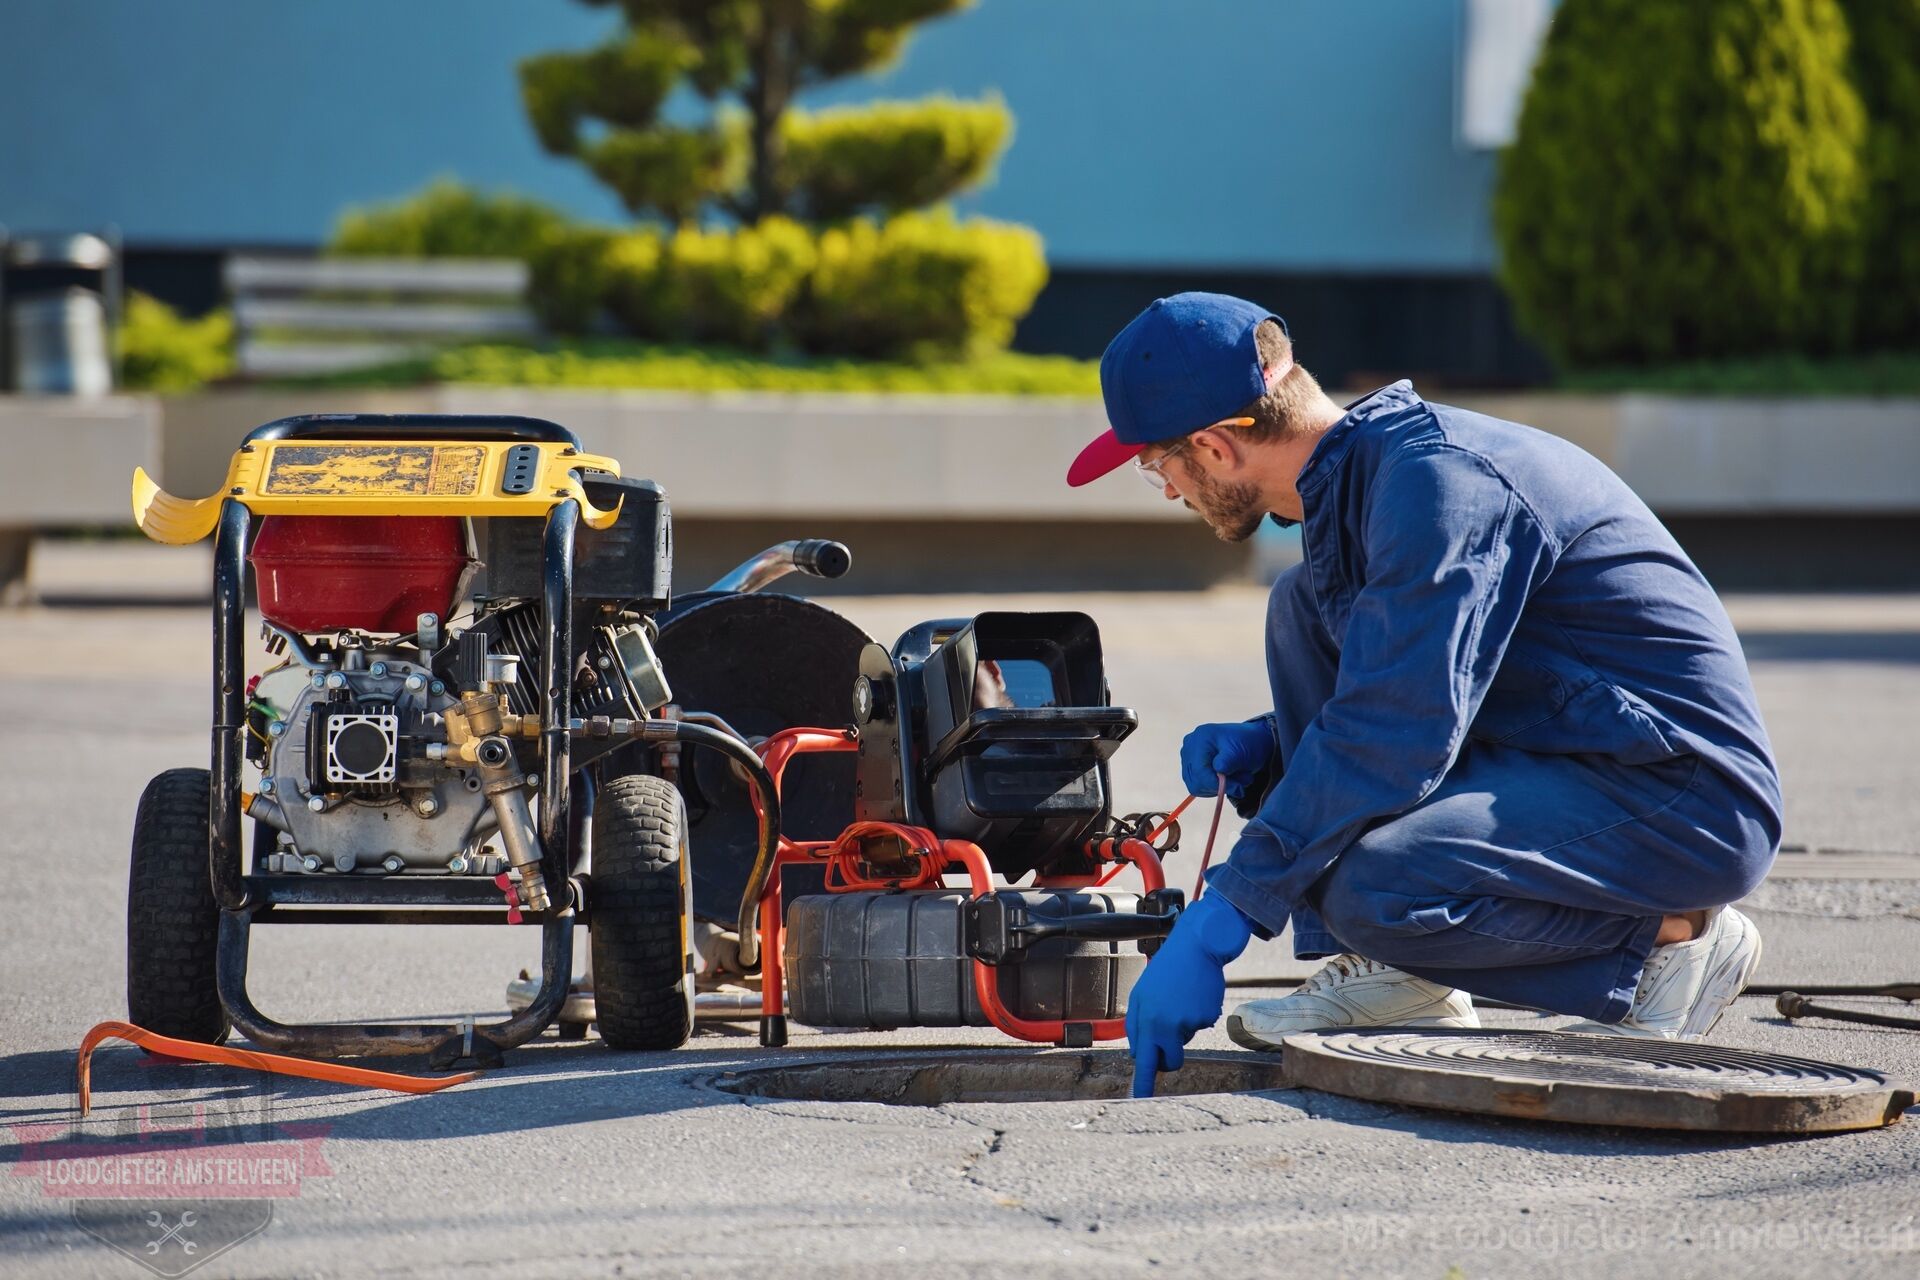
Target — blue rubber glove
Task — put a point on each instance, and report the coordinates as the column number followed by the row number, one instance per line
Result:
column 1183, row 988
column 1240, row 751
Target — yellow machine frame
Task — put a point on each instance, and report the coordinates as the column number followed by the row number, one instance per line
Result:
column 380, row 477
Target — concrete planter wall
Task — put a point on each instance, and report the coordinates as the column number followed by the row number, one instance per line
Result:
column 951, row 493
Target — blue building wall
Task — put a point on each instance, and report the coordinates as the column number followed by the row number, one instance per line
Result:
column 1238, row 135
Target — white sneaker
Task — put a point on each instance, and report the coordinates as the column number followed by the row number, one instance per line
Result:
column 1351, row 991
column 1686, row 986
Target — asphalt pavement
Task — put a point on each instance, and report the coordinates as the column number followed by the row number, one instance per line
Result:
column 573, row 1160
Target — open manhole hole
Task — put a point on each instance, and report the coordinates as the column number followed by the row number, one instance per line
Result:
column 1039, row 1077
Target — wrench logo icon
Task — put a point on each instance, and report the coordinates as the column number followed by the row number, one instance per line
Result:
column 176, row 1233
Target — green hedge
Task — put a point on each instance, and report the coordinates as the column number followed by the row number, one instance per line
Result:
column 162, row 351
column 447, row 219
column 567, row 278
column 918, row 283
column 621, row 364
column 1886, row 71
column 890, row 155
column 1686, row 182
column 920, row 280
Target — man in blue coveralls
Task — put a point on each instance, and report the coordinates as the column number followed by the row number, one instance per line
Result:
column 1514, row 749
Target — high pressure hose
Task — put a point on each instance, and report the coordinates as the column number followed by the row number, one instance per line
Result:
column 768, row 836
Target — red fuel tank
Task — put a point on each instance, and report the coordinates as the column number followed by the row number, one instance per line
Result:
column 360, row 573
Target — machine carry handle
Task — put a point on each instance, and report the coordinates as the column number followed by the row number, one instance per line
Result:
column 391, row 426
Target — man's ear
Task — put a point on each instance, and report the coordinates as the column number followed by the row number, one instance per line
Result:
column 1222, row 448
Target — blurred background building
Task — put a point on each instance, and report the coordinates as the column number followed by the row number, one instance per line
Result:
column 1335, row 160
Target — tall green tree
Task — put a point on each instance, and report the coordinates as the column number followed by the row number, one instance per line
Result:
column 1886, row 71
column 1687, row 182
column 754, row 155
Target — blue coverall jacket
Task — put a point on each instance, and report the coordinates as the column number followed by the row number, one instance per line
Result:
column 1512, row 724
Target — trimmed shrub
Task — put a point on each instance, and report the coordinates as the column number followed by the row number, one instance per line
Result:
column 636, row 284
column 1686, row 182
column 920, row 281
column 162, row 351
column 672, row 170
column 569, row 279
column 446, row 219
column 733, row 287
column 890, row 155
column 1886, row 71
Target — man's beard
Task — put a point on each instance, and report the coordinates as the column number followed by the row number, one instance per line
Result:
column 1232, row 511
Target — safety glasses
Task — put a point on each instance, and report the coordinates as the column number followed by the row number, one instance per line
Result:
column 1150, row 471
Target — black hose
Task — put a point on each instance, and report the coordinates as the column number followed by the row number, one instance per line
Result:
column 768, row 836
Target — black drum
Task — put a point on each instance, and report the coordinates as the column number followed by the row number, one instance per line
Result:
column 762, row 663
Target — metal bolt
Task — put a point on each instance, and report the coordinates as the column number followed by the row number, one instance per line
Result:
column 277, row 729
column 416, row 682
column 377, row 669
column 337, row 681
column 345, row 861
column 317, row 803
column 458, row 864
column 319, row 681
column 266, row 786
column 310, row 863
column 603, row 662
column 437, row 687
column 533, row 782
column 393, row 862
column 426, row 806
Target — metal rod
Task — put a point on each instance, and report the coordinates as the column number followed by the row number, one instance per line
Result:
column 229, row 703
column 771, row 565
column 1792, row 1004
column 373, row 891
column 556, row 677
column 380, row 915
column 344, row 1039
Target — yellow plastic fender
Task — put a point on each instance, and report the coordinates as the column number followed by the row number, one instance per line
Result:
column 380, row 478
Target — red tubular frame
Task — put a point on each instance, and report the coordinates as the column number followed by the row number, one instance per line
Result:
column 848, row 870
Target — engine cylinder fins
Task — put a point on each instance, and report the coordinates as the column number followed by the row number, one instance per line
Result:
column 1595, row 1079
column 360, row 747
column 762, row 663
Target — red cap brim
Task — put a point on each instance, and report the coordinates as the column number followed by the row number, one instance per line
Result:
column 1103, row 455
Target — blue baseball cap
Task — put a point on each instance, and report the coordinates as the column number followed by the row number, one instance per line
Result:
column 1184, row 363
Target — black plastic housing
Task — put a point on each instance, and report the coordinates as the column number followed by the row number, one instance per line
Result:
column 631, row 561
column 1026, row 782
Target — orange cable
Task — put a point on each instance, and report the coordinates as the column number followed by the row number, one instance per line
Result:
column 252, row 1060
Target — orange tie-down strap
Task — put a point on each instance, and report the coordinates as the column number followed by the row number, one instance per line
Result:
column 279, row 1064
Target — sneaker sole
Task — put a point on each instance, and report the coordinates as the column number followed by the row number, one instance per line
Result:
column 1238, row 1033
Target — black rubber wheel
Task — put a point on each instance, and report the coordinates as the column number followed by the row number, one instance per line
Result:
column 641, row 910
column 173, row 922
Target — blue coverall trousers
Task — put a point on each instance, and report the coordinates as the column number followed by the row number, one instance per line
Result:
column 1531, row 878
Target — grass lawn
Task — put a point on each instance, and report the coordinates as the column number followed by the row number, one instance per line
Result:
column 618, row 364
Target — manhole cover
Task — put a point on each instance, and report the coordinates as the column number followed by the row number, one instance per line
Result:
column 998, row 1077
column 1595, row 1079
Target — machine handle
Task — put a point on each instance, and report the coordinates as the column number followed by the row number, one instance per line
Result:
column 1001, row 928
column 390, row 426
column 822, row 557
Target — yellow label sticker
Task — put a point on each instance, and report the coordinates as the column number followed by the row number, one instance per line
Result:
column 348, row 470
